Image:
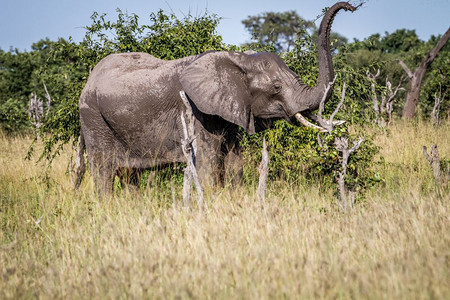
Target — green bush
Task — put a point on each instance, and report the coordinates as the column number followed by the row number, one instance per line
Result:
column 297, row 156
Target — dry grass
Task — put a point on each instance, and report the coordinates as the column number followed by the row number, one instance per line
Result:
column 59, row 244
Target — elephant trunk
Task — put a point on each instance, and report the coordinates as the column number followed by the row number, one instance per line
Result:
column 311, row 97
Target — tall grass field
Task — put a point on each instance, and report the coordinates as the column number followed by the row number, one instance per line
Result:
column 58, row 243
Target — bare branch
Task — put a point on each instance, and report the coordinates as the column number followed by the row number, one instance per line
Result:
column 388, row 98
column 425, row 152
column 405, row 67
column 329, row 125
column 436, row 108
column 80, row 165
column 434, row 52
column 49, row 99
column 372, row 76
column 187, row 184
column 372, row 79
column 338, row 107
column 342, row 146
column 189, row 151
column 324, row 98
column 356, row 146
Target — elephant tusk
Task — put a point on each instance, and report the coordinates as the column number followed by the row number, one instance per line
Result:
column 306, row 123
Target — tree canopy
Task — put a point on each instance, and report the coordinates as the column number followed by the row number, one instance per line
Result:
column 282, row 29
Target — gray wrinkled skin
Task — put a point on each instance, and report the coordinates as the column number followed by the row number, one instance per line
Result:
column 130, row 107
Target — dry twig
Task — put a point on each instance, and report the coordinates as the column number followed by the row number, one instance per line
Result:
column 189, row 148
column 434, row 161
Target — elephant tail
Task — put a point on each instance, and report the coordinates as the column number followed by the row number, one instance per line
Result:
column 80, row 166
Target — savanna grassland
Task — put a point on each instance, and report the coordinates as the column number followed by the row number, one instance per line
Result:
column 58, row 243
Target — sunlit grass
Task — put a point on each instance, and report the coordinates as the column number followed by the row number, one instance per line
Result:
column 56, row 242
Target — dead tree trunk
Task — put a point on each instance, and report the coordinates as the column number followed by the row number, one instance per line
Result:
column 416, row 77
column 437, row 106
column 434, row 161
column 373, row 82
column 189, row 148
column 387, row 101
column 263, row 173
column 342, row 146
column 35, row 111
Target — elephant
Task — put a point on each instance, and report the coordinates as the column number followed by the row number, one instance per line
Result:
column 130, row 107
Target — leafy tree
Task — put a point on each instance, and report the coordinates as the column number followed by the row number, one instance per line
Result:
column 401, row 40
column 15, row 77
column 416, row 77
column 384, row 52
column 280, row 29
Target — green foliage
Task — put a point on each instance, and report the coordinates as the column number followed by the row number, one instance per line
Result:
column 383, row 52
column 172, row 38
column 13, row 115
column 16, row 69
column 437, row 83
column 299, row 153
column 280, row 29
column 167, row 37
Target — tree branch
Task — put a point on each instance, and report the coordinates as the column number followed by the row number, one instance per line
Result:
column 338, row 107
column 330, row 124
column 49, row 99
column 405, row 67
column 188, row 146
column 432, row 54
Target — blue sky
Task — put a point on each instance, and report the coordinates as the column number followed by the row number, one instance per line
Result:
column 23, row 22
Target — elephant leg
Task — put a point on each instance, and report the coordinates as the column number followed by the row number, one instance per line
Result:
column 130, row 178
column 104, row 151
column 210, row 171
column 209, row 162
column 103, row 175
column 234, row 167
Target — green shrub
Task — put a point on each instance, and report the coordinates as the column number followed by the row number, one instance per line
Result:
column 297, row 156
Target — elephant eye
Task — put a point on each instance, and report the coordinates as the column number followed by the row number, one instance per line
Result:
column 277, row 87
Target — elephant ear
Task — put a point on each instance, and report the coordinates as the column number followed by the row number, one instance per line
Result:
column 216, row 82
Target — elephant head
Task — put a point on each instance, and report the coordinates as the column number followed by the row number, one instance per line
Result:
column 240, row 87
